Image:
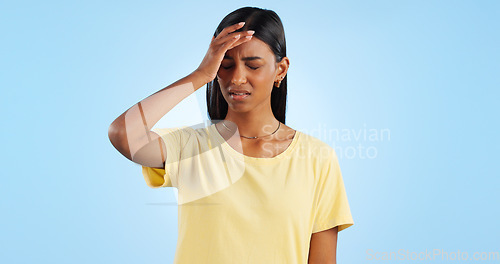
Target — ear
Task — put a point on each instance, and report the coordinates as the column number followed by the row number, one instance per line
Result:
column 282, row 68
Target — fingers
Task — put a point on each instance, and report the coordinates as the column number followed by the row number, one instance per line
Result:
column 244, row 35
column 239, row 40
column 229, row 29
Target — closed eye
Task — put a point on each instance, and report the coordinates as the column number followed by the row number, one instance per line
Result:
column 229, row 67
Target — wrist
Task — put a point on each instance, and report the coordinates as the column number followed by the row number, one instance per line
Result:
column 202, row 77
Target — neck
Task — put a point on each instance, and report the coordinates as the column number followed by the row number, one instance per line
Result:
column 251, row 125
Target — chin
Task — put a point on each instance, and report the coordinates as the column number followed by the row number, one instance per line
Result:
column 240, row 108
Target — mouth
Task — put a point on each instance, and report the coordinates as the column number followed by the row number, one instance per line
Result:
column 238, row 96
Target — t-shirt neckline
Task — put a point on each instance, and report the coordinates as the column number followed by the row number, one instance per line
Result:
column 239, row 155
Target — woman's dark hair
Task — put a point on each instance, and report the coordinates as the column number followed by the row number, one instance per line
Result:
column 268, row 28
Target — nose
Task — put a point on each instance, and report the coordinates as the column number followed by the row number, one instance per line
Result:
column 238, row 77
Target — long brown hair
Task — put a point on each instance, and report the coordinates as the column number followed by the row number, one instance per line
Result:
column 268, row 28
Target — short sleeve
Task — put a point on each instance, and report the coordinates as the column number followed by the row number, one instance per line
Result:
column 332, row 206
column 156, row 178
column 175, row 139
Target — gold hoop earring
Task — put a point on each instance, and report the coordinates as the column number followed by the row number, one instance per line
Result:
column 278, row 83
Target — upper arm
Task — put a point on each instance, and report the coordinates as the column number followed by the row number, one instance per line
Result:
column 160, row 157
column 323, row 247
column 151, row 152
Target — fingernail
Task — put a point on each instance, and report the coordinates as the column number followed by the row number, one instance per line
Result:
column 251, row 32
column 241, row 23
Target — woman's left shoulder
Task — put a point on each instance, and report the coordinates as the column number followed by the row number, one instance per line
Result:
column 313, row 145
column 287, row 132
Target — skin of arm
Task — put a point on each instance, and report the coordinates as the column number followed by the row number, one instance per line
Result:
column 323, row 248
column 130, row 132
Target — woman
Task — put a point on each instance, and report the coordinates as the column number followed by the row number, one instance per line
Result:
column 250, row 188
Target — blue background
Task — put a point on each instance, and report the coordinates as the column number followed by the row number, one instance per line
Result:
column 425, row 71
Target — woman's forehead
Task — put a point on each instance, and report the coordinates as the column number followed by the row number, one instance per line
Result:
column 253, row 48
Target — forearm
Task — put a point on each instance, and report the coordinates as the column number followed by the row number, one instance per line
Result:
column 130, row 130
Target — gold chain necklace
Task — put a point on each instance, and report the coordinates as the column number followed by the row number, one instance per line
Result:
column 279, row 124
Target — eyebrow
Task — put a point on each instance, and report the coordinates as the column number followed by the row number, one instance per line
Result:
column 244, row 59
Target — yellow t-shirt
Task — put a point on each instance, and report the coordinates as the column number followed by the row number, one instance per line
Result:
column 234, row 208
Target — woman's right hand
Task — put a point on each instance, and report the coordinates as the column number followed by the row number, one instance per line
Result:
column 226, row 40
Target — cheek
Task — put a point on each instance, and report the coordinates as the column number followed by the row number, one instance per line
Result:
column 260, row 77
column 264, row 82
column 263, row 76
column 220, row 78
